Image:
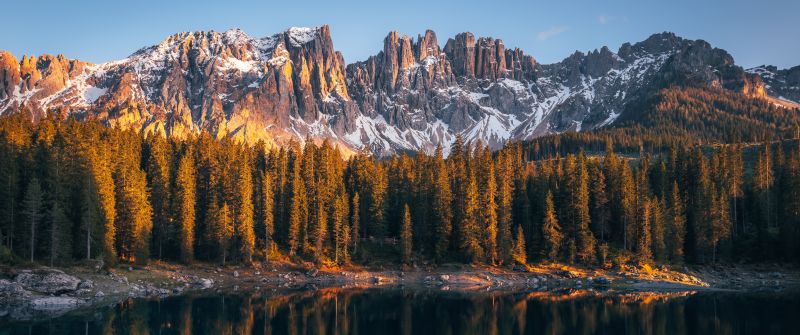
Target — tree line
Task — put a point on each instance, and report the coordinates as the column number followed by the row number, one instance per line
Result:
column 79, row 190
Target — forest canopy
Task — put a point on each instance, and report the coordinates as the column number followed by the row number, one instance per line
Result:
column 696, row 177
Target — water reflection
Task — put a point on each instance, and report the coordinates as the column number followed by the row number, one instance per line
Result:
column 399, row 311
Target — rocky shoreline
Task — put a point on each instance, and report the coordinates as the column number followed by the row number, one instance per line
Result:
column 48, row 292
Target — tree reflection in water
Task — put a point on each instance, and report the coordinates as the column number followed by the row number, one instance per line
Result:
column 425, row 311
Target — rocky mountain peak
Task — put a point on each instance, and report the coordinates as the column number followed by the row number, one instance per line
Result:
column 412, row 95
column 427, row 46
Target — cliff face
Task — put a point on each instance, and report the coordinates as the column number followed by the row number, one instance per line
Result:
column 412, row 95
column 783, row 84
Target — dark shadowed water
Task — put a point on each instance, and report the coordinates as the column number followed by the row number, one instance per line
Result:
column 404, row 311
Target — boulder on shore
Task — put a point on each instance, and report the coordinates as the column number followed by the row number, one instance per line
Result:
column 48, row 282
column 11, row 290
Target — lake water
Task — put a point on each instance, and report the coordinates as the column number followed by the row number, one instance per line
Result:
column 428, row 311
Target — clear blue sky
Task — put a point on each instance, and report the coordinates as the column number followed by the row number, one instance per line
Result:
column 754, row 32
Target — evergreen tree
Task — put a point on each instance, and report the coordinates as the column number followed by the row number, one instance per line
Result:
column 719, row 228
column 658, row 231
column 627, row 205
column 297, row 208
column 157, row 168
column 341, row 229
column 519, row 251
column 224, row 230
column 60, row 234
column 405, row 235
column 134, row 215
column 9, row 180
column 442, row 200
column 32, row 211
column 376, row 208
column 90, row 220
column 354, row 221
column 104, row 188
column 488, row 208
column 504, row 209
column 551, row 230
column 677, row 226
column 578, row 190
column 319, row 232
column 185, row 202
column 244, row 233
column 267, row 210
column 468, row 228
column 598, row 203
column 642, row 231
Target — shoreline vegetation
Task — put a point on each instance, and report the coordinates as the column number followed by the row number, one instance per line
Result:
column 85, row 287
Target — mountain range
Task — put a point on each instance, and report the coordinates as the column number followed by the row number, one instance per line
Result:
column 414, row 94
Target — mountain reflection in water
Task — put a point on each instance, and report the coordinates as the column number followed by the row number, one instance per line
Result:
column 404, row 311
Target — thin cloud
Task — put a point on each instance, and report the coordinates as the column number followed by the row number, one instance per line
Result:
column 606, row 19
column 552, row 32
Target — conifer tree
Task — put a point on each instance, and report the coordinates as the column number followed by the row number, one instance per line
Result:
column 677, row 226
column 598, row 203
column 354, row 221
column 32, row 211
column 763, row 182
column 579, row 184
column 504, row 209
column 9, row 179
column 406, row 235
column 519, row 251
column 488, row 208
column 90, row 219
column 297, row 208
column 341, row 229
column 551, row 230
column 377, row 195
column 103, row 182
column 60, row 234
column 642, row 231
column 719, row 228
column 185, row 206
column 735, row 166
column 244, row 232
column 224, row 231
column 157, row 168
column 658, row 231
column 442, row 200
column 134, row 215
column 628, row 205
column 319, row 232
column 468, row 227
column 267, row 210
column 311, row 210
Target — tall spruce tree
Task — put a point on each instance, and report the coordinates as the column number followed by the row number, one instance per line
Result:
column 158, row 178
column 185, row 202
column 244, row 232
column 32, row 211
column 468, row 228
column 519, row 252
column 488, row 207
column 355, row 221
column 267, row 212
column 504, row 207
column 406, row 238
column 677, row 225
column 442, row 208
column 551, row 230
